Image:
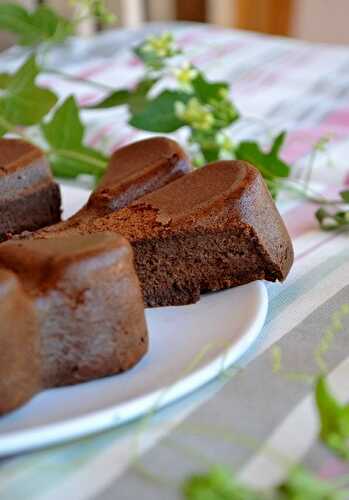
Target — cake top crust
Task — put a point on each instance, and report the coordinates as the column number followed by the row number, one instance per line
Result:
column 137, row 169
column 146, row 155
column 201, row 189
column 23, row 169
column 16, row 154
column 40, row 264
column 203, row 197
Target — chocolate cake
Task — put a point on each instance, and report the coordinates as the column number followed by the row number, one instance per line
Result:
column 88, row 307
column 212, row 229
column 134, row 170
column 19, row 345
column 137, row 169
column 29, row 197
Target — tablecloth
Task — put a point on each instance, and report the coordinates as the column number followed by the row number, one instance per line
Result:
column 292, row 85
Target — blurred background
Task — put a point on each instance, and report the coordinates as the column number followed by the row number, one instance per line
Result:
column 314, row 20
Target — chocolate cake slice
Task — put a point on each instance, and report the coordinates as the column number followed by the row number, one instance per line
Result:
column 88, row 305
column 137, row 169
column 134, row 170
column 29, row 197
column 214, row 228
column 19, row 345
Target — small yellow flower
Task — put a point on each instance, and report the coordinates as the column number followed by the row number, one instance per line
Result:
column 224, row 142
column 162, row 46
column 195, row 114
column 185, row 75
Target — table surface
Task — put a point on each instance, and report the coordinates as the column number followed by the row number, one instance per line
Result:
column 292, row 85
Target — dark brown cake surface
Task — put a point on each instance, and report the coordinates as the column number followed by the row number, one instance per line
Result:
column 211, row 229
column 29, row 197
column 88, row 304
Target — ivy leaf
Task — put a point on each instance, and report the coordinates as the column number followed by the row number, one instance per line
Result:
column 135, row 99
column 116, row 98
column 65, row 134
column 51, row 26
column 277, row 144
column 301, row 484
column 217, row 484
column 269, row 163
column 65, row 130
column 22, row 102
column 334, row 419
column 43, row 24
column 207, row 91
column 17, row 19
column 139, row 99
column 345, row 196
column 159, row 113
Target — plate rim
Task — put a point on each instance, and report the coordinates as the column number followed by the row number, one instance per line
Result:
column 122, row 413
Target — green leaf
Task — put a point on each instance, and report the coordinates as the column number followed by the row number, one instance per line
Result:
column 16, row 19
column 302, row 485
column 334, row 419
column 65, row 129
column 217, row 484
column 159, row 113
column 65, row 134
column 277, row 144
column 345, row 196
column 268, row 163
column 51, row 25
column 29, row 107
column 116, row 98
column 139, row 99
column 43, row 24
column 24, row 77
column 136, row 99
column 22, row 101
column 207, row 91
column 81, row 160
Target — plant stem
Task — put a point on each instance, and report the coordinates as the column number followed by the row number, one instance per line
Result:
column 78, row 79
column 310, row 194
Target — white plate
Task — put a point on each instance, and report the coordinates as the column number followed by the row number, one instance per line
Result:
column 189, row 346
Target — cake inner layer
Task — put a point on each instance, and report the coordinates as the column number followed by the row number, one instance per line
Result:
column 176, row 269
